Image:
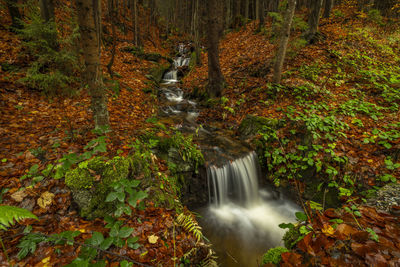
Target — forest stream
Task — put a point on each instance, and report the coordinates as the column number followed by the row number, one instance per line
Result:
column 241, row 220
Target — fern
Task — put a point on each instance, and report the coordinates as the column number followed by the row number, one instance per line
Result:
column 187, row 222
column 9, row 213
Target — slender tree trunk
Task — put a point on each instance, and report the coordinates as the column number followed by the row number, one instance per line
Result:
column 313, row 20
column 262, row 15
column 197, row 31
column 284, row 39
column 328, row 8
column 215, row 78
column 12, row 6
column 246, row 9
column 89, row 15
column 114, row 38
column 47, row 9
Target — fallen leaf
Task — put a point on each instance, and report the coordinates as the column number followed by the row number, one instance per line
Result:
column 19, row 195
column 152, row 239
column 45, row 199
column 328, row 230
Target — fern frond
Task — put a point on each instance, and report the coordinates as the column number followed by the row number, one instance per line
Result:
column 187, row 222
column 210, row 260
column 10, row 213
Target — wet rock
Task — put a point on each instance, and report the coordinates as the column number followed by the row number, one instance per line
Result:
column 156, row 73
column 387, row 198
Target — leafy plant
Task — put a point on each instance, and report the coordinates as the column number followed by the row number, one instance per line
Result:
column 125, row 190
column 187, row 222
column 273, row 255
column 10, row 213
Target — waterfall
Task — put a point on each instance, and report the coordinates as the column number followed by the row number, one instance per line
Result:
column 242, row 219
column 171, row 76
column 235, row 181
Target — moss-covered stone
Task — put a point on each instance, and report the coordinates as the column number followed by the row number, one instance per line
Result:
column 157, row 72
column 251, row 125
column 79, row 179
column 88, row 191
column 116, row 169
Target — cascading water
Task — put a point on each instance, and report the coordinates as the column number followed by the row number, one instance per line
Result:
column 242, row 219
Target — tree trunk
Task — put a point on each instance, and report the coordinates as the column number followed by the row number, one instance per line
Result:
column 89, row 15
column 246, row 9
column 47, row 9
column 328, row 8
column 262, row 15
column 284, row 39
column 14, row 14
column 313, row 20
column 197, row 31
column 215, row 78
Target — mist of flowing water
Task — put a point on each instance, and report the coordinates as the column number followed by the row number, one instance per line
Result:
column 242, row 219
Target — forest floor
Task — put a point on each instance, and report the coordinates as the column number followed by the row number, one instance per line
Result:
column 36, row 130
column 321, row 79
column 343, row 89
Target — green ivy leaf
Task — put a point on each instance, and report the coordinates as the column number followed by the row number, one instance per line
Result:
column 96, row 239
column 111, row 196
column 106, row 243
column 124, row 232
column 301, row 216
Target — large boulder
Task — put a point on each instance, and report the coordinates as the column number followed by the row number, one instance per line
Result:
column 91, row 181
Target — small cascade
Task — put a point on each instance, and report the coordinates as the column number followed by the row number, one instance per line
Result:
column 174, row 102
column 171, row 76
column 243, row 220
column 236, row 181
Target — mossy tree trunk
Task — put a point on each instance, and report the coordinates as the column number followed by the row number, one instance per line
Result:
column 284, row 39
column 216, row 80
column 89, row 15
column 313, row 20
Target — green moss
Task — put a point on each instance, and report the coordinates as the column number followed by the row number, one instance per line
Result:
column 274, row 255
column 79, row 179
column 89, row 194
column 291, row 236
column 97, row 164
column 116, row 169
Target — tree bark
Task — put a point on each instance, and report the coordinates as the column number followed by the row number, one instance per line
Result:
column 313, row 20
column 215, row 78
column 328, row 8
column 89, row 17
column 14, row 14
column 284, row 39
column 47, row 10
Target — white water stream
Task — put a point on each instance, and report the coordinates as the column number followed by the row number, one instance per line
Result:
column 241, row 220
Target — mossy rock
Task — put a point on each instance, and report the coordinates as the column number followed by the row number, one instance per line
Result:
column 251, row 125
column 273, row 255
column 291, row 236
column 156, row 73
column 91, row 181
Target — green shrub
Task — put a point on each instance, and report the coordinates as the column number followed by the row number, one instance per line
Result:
column 54, row 61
